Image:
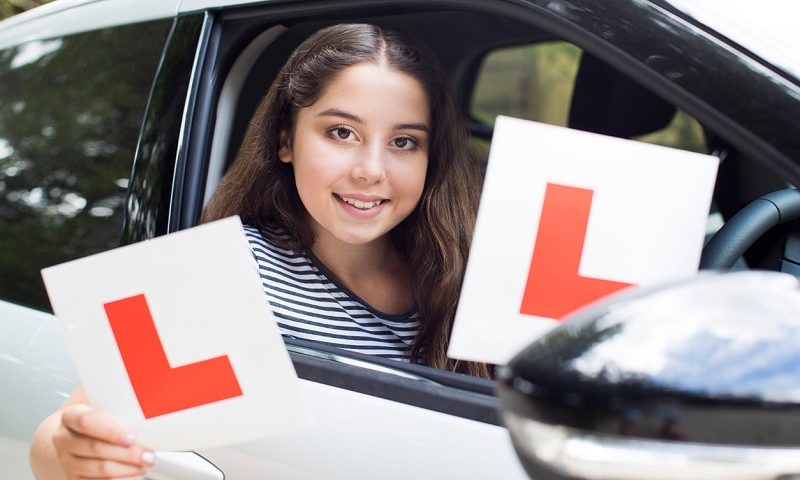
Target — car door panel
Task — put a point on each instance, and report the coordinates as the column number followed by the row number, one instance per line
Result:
column 358, row 436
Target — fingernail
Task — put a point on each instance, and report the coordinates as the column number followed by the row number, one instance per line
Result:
column 149, row 458
column 128, row 439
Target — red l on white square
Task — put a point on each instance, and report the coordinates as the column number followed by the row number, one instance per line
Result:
column 567, row 217
column 174, row 337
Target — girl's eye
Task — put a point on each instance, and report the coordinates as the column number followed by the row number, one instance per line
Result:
column 341, row 133
column 404, row 143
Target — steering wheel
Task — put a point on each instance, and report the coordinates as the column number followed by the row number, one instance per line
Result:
column 748, row 225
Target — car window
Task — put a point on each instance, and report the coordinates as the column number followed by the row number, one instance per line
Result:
column 532, row 81
column 70, row 113
column 537, row 81
column 507, row 67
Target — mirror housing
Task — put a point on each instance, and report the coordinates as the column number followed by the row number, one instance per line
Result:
column 695, row 380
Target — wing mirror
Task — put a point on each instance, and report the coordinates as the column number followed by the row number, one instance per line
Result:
column 696, row 380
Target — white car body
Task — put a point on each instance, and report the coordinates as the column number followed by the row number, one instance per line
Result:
column 351, row 429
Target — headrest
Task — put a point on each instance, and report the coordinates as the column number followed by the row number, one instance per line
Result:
column 607, row 102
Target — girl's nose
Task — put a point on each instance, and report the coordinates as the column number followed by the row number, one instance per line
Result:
column 369, row 164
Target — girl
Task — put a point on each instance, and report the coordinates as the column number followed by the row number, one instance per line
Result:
column 360, row 193
column 357, row 160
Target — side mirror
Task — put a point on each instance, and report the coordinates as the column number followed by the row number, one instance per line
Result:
column 697, row 380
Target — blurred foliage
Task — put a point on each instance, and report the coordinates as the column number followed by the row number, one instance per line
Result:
column 682, row 132
column 532, row 82
column 70, row 113
column 535, row 82
column 10, row 8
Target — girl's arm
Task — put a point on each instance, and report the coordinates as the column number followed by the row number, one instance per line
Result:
column 77, row 441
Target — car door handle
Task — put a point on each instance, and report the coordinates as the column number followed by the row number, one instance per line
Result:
column 183, row 466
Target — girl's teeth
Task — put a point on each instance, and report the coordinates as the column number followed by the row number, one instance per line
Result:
column 362, row 205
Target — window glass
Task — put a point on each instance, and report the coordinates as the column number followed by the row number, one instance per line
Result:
column 682, row 132
column 70, row 114
column 536, row 82
column 533, row 82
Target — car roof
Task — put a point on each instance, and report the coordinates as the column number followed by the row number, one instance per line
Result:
column 767, row 28
column 75, row 16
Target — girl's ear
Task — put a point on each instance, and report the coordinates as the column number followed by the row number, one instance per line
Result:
column 285, row 150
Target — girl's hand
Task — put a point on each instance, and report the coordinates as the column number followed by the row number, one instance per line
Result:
column 91, row 444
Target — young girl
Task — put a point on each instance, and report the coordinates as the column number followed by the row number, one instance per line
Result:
column 357, row 174
column 360, row 195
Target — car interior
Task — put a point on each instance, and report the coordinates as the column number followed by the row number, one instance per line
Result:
column 252, row 44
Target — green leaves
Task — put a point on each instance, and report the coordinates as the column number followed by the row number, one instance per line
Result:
column 10, row 8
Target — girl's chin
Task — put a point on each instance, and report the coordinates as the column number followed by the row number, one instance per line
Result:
column 359, row 238
column 362, row 239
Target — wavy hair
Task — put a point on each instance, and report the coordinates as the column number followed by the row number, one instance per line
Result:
column 434, row 239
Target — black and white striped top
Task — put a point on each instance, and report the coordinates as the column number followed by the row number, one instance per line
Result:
column 310, row 303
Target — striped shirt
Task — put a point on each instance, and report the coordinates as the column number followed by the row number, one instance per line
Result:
column 310, row 303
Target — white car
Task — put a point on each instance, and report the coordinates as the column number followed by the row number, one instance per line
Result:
column 119, row 117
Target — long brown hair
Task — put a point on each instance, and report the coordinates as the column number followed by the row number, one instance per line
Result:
column 434, row 238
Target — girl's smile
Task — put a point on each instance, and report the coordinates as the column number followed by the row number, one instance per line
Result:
column 361, row 205
column 360, row 153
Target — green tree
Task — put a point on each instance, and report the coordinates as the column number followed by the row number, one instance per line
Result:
column 9, row 8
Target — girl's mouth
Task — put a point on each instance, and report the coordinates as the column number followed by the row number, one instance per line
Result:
column 360, row 204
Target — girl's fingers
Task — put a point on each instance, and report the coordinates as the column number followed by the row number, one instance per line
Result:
column 85, row 420
column 93, row 468
column 97, row 449
column 92, row 445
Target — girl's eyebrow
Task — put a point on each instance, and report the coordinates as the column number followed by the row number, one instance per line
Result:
column 413, row 126
column 335, row 112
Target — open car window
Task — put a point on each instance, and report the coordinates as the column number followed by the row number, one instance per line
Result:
column 537, row 82
column 499, row 64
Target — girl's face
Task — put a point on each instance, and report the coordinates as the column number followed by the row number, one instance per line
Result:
column 360, row 153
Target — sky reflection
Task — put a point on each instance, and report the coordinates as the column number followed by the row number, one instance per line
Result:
column 731, row 334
